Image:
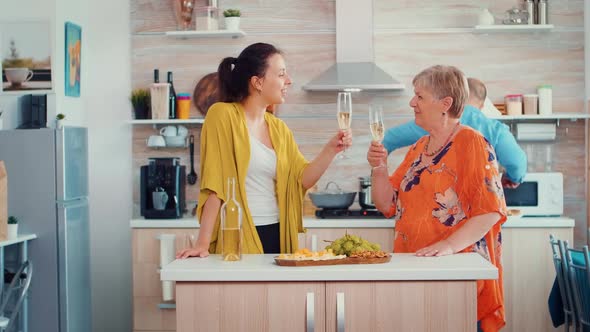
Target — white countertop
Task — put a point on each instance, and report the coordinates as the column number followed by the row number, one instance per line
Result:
column 402, row 267
column 311, row 222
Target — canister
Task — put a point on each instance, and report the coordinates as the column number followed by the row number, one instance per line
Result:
column 207, row 18
column 530, row 102
column 545, row 93
column 183, row 101
column 513, row 104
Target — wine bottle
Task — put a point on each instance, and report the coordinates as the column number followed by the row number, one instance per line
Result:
column 171, row 98
column 156, row 76
column 231, row 225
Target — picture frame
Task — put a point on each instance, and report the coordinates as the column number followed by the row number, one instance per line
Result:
column 73, row 59
column 25, row 56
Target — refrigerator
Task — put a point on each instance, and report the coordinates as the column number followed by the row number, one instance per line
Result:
column 47, row 190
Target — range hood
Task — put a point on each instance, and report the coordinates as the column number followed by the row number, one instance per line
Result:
column 354, row 69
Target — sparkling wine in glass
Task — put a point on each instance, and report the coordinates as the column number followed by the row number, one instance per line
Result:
column 376, row 122
column 344, row 105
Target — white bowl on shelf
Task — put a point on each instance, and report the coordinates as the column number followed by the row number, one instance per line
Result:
column 175, row 141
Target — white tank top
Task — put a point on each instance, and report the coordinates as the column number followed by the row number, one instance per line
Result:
column 260, row 184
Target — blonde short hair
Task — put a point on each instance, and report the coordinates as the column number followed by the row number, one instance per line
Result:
column 445, row 81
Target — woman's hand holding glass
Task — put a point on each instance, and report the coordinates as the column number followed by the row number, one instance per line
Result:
column 341, row 141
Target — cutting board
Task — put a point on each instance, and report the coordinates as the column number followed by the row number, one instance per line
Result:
column 348, row 260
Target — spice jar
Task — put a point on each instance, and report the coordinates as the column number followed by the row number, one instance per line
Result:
column 207, row 18
column 513, row 104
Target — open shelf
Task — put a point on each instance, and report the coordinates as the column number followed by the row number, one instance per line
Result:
column 554, row 116
column 206, row 34
column 165, row 121
column 513, row 28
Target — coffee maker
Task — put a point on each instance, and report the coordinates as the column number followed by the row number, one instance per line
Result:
column 162, row 183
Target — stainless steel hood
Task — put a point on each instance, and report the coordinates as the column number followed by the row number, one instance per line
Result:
column 354, row 69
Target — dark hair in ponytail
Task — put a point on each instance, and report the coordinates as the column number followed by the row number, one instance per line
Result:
column 234, row 83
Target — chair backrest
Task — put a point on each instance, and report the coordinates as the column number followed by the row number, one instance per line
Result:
column 24, row 287
column 579, row 275
column 561, row 271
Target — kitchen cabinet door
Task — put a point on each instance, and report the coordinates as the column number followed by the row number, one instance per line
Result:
column 529, row 274
column 147, row 287
column 378, row 306
column 250, row 306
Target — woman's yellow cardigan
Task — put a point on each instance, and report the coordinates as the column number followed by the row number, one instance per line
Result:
column 225, row 152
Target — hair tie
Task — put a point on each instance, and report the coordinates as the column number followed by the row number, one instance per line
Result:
column 234, row 61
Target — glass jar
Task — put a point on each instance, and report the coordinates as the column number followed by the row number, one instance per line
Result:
column 231, row 224
column 513, row 104
column 207, row 18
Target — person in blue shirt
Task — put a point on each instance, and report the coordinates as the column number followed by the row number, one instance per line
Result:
column 509, row 154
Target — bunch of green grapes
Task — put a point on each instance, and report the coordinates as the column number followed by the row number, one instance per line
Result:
column 350, row 244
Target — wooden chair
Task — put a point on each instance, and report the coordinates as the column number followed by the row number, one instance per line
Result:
column 579, row 276
column 561, row 271
column 7, row 322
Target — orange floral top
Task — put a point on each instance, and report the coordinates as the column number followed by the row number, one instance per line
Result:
column 433, row 199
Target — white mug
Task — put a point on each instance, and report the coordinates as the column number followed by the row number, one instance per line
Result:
column 156, row 141
column 182, row 131
column 168, row 131
column 18, row 75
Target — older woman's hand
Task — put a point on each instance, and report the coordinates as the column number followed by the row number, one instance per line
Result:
column 441, row 248
column 377, row 155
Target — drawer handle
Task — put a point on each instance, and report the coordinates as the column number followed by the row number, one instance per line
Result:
column 310, row 319
column 340, row 312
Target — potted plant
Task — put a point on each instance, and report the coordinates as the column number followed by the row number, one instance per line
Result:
column 140, row 100
column 17, row 69
column 12, row 227
column 59, row 119
column 232, row 19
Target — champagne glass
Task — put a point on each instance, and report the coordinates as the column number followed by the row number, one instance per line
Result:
column 344, row 105
column 376, row 122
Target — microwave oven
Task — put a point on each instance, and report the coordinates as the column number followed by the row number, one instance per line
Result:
column 540, row 194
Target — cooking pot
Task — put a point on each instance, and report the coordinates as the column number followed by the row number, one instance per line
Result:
column 332, row 198
column 365, row 199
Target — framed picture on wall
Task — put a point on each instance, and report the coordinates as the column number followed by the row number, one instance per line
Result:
column 73, row 53
column 25, row 55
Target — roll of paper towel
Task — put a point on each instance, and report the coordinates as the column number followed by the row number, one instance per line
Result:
column 167, row 255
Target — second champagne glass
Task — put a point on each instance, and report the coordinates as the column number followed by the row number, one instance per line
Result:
column 344, row 108
column 376, row 122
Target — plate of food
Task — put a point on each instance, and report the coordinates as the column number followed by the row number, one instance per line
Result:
column 349, row 249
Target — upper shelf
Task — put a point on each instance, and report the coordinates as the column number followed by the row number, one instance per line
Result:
column 513, row 28
column 206, row 34
column 166, row 121
column 554, row 116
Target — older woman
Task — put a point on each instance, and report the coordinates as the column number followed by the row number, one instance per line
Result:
column 446, row 195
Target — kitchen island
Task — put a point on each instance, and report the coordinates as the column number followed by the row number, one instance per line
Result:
column 407, row 294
